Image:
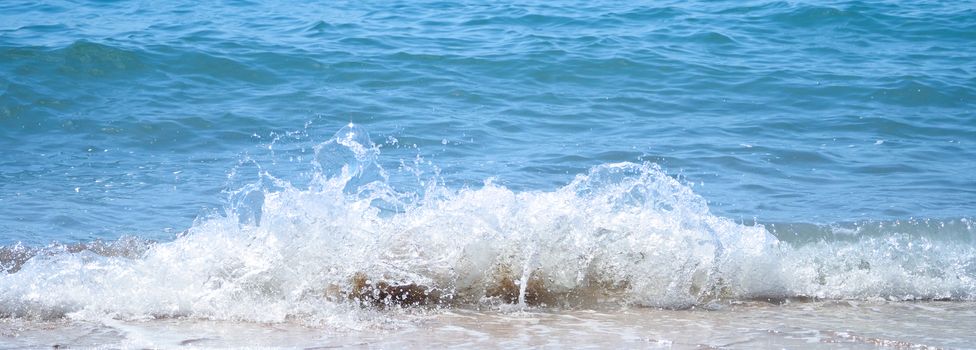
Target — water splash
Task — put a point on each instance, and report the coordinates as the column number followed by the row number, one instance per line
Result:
column 349, row 155
column 330, row 252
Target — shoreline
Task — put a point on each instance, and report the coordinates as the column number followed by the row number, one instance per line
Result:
column 847, row 323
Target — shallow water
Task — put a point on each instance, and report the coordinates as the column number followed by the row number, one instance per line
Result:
column 749, row 325
column 261, row 166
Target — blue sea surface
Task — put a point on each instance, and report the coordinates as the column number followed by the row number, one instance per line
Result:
column 124, row 118
column 231, row 160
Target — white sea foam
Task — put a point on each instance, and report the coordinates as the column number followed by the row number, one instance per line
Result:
column 349, row 248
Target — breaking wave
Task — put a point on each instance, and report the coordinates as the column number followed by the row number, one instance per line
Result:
column 348, row 244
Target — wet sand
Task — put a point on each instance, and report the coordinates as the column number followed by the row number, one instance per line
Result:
column 735, row 325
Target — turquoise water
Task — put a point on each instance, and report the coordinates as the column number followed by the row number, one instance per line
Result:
column 783, row 112
column 828, row 143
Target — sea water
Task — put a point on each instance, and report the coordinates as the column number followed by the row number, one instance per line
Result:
column 671, row 174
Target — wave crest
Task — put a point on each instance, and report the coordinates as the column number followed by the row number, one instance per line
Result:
column 620, row 234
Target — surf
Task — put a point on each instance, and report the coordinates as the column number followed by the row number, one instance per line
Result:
column 349, row 241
